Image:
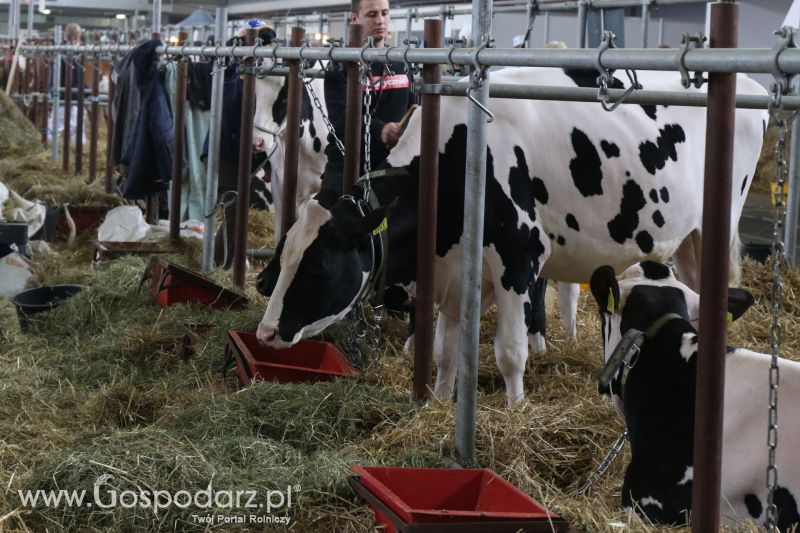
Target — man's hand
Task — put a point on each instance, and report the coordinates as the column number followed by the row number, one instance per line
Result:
column 390, row 133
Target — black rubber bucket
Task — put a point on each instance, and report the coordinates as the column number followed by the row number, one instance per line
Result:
column 41, row 299
column 759, row 252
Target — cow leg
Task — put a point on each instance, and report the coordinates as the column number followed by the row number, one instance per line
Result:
column 537, row 326
column 568, row 304
column 510, row 343
column 445, row 353
column 687, row 260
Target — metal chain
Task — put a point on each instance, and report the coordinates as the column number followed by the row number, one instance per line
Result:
column 776, row 302
column 607, row 461
column 367, row 118
column 325, row 119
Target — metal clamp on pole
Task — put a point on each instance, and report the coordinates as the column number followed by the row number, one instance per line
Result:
column 410, row 69
column 782, row 80
column 478, row 76
column 606, row 76
column 333, row 43
column 687, row 40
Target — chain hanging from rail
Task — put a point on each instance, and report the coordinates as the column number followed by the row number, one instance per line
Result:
column 783, row 119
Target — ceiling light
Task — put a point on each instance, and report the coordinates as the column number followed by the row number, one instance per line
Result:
column 121, row 16
column 317, row 36
column 46, row 11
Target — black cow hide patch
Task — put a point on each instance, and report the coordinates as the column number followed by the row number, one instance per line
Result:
column 609, row 148
column 572, row 222
column 585, row 167
column 626, row 222
column 654, row 155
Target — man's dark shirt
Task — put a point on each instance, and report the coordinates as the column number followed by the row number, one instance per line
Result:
column 391, row 98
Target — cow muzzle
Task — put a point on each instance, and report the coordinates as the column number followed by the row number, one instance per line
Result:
column 259, row 144
column 268, row 336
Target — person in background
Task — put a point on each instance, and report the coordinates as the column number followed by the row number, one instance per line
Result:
column 390, row 87
column 72, row 34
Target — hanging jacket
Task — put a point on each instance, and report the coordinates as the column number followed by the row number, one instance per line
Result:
column 148, row 157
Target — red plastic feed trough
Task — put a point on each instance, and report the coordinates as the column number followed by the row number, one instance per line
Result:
column 85, row 217
column 444, row 499
column 303, row 362
column 173, row 284
column 109, row 250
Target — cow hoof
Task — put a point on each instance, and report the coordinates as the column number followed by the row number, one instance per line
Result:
column 537, row 343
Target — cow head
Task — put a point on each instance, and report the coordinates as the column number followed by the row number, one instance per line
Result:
column 269, row 120
column 319, row 269
column 643, row 294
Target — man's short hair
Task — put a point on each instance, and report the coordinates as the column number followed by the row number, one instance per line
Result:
column 355, row 5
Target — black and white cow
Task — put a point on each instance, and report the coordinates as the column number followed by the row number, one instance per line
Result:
column 270, row 127
column 656, row 399
column 569, row 188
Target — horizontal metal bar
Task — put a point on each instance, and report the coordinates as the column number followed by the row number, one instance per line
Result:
column 585, row 94
column 748, row 60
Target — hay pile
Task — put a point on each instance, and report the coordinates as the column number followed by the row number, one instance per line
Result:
column 100, row 389
column 17, row 135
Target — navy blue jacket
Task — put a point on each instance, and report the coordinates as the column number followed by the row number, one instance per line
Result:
column 148, row 159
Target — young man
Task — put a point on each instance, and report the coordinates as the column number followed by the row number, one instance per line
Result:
column 390, row 87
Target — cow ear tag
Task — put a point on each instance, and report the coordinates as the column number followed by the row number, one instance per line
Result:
column 384, row 225
column 610, row 304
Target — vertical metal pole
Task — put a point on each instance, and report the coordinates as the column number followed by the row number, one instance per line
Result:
column 29, row 35
column 110, row 136
column 212, row 170
column 352, row 127
column 94, row 119
column 582, row 10
column 156, row 18
column 720, row 122
column 444, row 13
column 33, row 86
column 67, row 113
column 426, row 226
column 645, row 22
column 347, row 16
column 245, row 159
column 793, row 204
column 546, row 28
column 472, row 262
column 533, row 10
column 56, row 92
column 45, row 68
column 177, row 152
column 152, row 202
column 79, row 124
column 292, row 136
column 409, row 21
column 661, row 30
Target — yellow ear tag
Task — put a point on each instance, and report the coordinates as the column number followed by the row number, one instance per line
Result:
column 383, row 227
column 730, row 319
column 610, row 304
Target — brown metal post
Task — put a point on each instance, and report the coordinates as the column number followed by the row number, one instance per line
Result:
column 151, row 204
column 112, row 89
column 31, row 65
column 352, row 127
column 79, row 125
column 720, row 121
column 93, row 121
column 177, row 152
column 426, row 225
column 67, row 113
column 44, row 104
column 292, row 137
column 245, row 159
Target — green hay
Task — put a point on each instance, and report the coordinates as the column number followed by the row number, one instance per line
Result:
column 99, row 387
column 17, row 134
